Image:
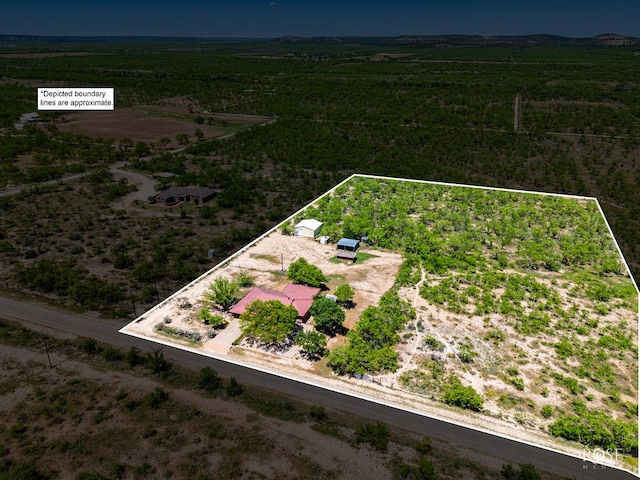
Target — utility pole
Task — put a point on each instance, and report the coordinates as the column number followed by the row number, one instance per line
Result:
column 135, row 312
column 516, row 113
column 44, row 339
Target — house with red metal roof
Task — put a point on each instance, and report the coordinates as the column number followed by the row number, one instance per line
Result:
column 299, row 296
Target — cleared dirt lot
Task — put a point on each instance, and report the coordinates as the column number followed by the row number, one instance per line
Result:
column 133, row 123
column 263, row 261
column 150, row 123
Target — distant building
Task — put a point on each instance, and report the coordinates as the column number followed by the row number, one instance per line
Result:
column 166, row 176
column 29, row 117
column 299, row 296
column 26, row 118
column 308, row 228
column 348, row 249
column 175, row 195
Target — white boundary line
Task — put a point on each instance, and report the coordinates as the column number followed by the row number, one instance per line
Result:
column 348, row 392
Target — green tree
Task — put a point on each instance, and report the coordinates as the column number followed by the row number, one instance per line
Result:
column 182, row 138
column 526, row 472
column 313, row 343
column 303, row 272
column 377, row 435
column 164, row 141
column 141, row 149
column 328, row 316
column 223, row 293
column 208, row 380
column 460, row 396
column 269, row 321
column 345, row 293
column 214, row 321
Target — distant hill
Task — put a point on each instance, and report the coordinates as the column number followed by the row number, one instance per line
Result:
column 606, row 39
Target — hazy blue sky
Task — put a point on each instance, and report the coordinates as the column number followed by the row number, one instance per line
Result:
column 274, row 18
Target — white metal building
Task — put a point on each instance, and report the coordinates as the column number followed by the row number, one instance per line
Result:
column 308, row 228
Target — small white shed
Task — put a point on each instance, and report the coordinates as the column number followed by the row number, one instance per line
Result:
column 308, row 228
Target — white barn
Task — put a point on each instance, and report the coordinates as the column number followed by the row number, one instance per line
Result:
column 308, row 228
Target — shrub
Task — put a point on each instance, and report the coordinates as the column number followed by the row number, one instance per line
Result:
column 376, row 435
column 496, row 336
column 466, row 354
column 517, row 382
column 208, row 380
column 345, row 293
column 213, row 320
column 317, row 413
column 434, row 343
column 156, row 398
column 234, row 389
column 90, row 345
column 244, row 280
column 303, row 272
column 133, row 357
column 328, row 316
column 547, row 411
column 460, row 396
column 112, row 354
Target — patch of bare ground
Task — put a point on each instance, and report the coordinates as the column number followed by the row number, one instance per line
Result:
column 264, row 262
column 87, row 419
column 508, row 410
column 514, row 375
column 132, row 123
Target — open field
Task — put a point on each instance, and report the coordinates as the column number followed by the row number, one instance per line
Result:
column 152, row 123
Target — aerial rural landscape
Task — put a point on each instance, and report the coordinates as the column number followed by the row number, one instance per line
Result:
column 447, row 224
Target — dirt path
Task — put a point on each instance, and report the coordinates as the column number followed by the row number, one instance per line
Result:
column 409, row 362
column 145, row 185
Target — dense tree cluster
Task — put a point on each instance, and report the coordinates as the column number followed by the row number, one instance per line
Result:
column 270, row 322
column 303, row 272
column 597, row 429
column 328, row 316
column 63, row 278
column 371, row 344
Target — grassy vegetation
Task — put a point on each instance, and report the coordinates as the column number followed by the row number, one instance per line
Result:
column 174, row 436
column 338, row 112
column 540, row 271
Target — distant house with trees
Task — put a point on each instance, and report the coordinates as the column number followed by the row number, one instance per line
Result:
column 26, row 118
column 174, row 195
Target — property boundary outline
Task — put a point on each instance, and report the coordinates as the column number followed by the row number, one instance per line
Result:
column 347, row 392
